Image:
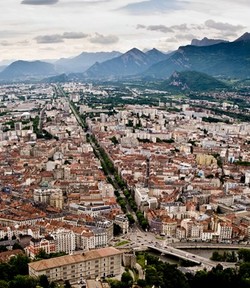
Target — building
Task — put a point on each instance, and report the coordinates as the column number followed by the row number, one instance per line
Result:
column 169, row 227
column 129, row 259
column 141, row 195
column 225, row 231
column 123, row 222
column 89, row 265
column 65, row 240
column 36, row 245
column 53, row 197
column 7, row 255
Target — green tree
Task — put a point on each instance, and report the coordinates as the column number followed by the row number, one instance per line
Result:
column 67, row 284
column 23, row 281
column 43, row 281
column 117, row 230
column 244, row 255
column 19, row 264
column 126, row 279
column 4, row 284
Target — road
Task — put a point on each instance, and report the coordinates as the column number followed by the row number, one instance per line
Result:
column 137, row 227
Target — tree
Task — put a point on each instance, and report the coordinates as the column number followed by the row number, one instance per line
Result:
column 21, row 281
column 126, row 280
column 117, row 230
column 3, row 284
column 19, row 264
column 244, row 254
column 142, row 283
column 67, row 284
column 151, row 275
column 43, row 281
column 216, row 256
column 41, row 255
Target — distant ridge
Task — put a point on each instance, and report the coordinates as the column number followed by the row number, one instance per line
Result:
column 206, row 42
column 229, row 59
column 22, row 70
column 130, row 63
column 244, row 37
column 82, row 62
column 223, row 59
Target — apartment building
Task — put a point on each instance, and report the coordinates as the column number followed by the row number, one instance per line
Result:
column 36, row 245
column 89, row 265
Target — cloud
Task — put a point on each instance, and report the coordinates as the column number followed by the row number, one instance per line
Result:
column 39, row 2
column 185, row 36
column 74, row 35
column 48, row 39
column 181, row 27
column 102, row 39
column 165, row 29
column 154, row 6
column 58, row 38
column 160, row 28
column 23, row 43
column 223, row 26
column 5, row 43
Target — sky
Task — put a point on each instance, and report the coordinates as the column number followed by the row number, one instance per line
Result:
column 53, row 29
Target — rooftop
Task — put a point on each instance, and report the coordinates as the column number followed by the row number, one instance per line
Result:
column 73, row 259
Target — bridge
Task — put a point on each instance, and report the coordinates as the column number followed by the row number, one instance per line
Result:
column 199, row 245
column 199, row 260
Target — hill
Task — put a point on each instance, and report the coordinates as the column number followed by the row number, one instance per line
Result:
column 192, row 81
column 24, row 70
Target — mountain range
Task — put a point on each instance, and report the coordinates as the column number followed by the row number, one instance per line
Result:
column 130, row 63
column 214, row 57
column 230, row 59
column 83, row 61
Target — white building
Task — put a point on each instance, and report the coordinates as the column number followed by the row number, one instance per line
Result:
column 65, row 240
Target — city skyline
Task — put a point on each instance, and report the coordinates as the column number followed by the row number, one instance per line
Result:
column 51, row 29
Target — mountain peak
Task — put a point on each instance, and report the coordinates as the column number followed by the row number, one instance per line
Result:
column 244, row 37
column 153, row 51
column 134, row 51
column 206, row 42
